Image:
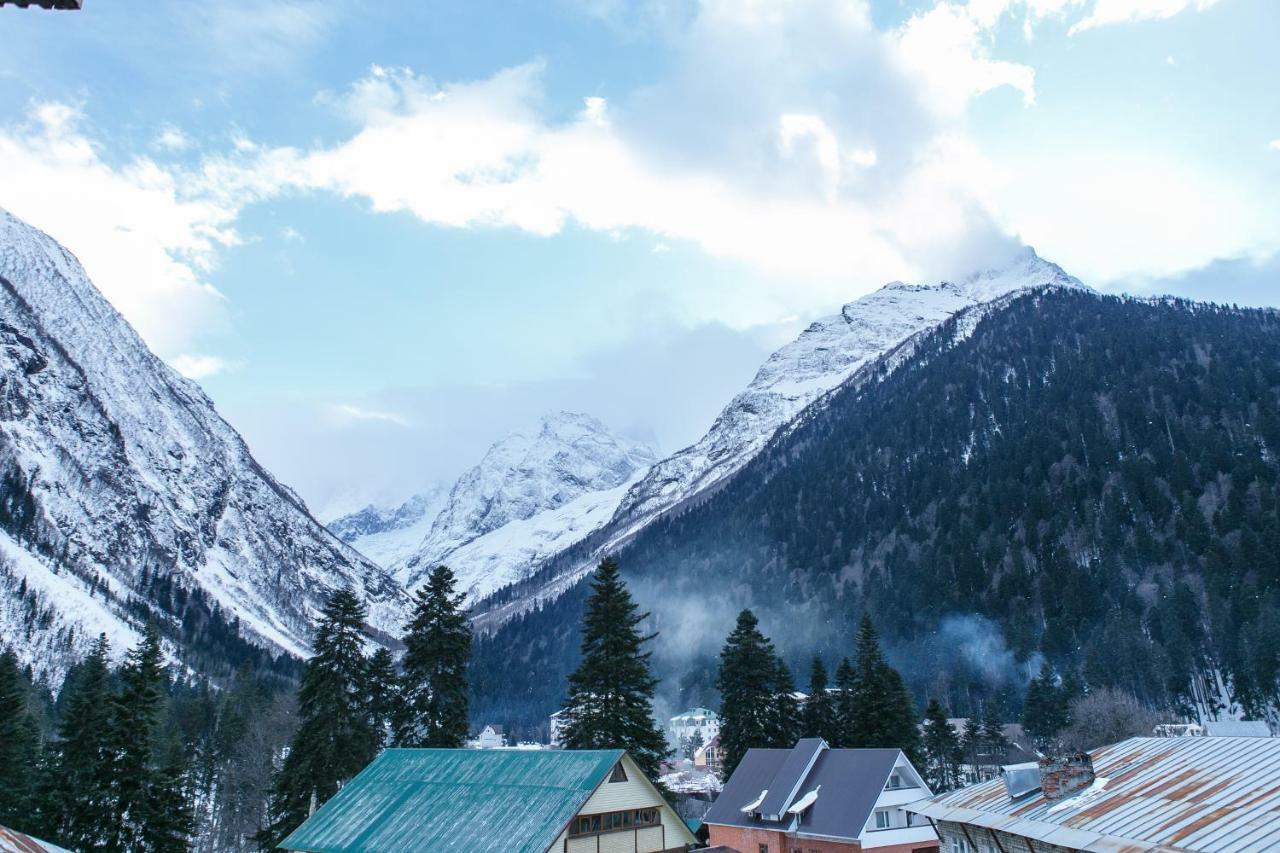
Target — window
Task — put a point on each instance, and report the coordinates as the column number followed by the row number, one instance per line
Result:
column 895, row 782
column 615, row 821
column 958, row 845
column 882, row 819
column 764, row 848
column 618, row 774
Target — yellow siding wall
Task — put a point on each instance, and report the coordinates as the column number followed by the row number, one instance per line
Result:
column 635, row 793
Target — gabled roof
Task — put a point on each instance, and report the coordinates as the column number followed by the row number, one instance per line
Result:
column 445, row 800
column 851, row 780
column 1183, row 793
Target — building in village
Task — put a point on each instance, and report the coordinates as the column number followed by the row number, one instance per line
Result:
column 816, row 799
column 12, row 841
column 1214, row 728
column 710, row 756
column 491, row 736
column 1143, row 794
column 556, row 729
column 695, row 725
column 495, row 801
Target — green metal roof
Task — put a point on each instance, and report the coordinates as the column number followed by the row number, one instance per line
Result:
column 475, row 800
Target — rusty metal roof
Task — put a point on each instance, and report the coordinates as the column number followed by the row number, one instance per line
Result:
column 12, row 841
column 1193, row 793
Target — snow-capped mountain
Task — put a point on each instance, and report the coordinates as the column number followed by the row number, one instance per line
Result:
column 822, row 358
column 531, row 496
column 121, row 481
column 829, row 353
column 391, row 535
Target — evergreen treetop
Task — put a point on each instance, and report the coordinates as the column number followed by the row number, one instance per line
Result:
column 610, row 701
column 432, row 710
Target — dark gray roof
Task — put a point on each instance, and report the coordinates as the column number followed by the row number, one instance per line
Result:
column 784, row 787
column 851, row 781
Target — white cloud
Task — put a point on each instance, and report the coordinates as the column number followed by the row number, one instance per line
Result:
column 292, row 234
column 262, row 36
column 1275, row 145
column 1124, row 11
column 200, row 366
column 949, row 48
column 146, row 245
column 356, row 413
column 171, row 138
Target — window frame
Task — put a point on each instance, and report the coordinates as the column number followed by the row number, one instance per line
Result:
column 622, row 820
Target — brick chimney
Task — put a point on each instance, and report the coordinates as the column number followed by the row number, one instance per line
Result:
column 1062, row 777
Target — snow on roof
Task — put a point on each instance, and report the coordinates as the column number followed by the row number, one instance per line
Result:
column 804, row 802
column 755, row 804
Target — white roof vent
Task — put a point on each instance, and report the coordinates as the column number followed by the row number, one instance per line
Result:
column 804, row 802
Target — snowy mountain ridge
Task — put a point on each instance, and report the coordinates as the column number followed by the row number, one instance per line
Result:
column 825, row 356
column 120, row 477
column 530, row 496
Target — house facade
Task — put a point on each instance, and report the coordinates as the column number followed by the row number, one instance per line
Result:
column 702, row 722
column 815, row 799
column 495, row 801
column 710, row 756
column 491, row 736
column 1204, row 794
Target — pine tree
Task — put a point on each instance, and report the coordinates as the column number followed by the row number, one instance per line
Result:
column 170, row 821
column 941, row 749
column 610, row 703
column 78, row 804
column 991, row 735
column 881, row 710
column 819, row 711
column 845, row 704
column 19, row 746
column 747, row 682
column 695, row 743
column 1044, row 712
column 384, row 693
column 784, row 719
column 335, row 738
column 432, row 710
column 137, row 713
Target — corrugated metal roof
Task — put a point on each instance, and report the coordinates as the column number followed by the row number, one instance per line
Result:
column 1237, row 728
column 479, row 801
column 12, row 841
column 1194, row 793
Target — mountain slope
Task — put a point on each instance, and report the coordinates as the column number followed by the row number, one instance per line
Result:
column 125, row 496
column 831, row 352
column 531, row 496
column 391, row 535
column 1088, row 479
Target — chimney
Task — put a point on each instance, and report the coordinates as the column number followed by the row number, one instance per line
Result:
column 1062, row 777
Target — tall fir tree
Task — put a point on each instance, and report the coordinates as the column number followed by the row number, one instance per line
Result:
column 1044, row 711
column 432, row 710
column 881, row 711
column 747, row 683
column 335, row 737
column 784, row 719
column 77, row 805
column 941, row 747
column 137, row 713
column 845, row 705
column 819, row 717
column 384, row 693
column 19, row 746
column 170, row 820
column 610, row 702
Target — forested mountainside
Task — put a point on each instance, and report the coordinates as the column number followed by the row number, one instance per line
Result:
column 1091, row 479
column 125, row 498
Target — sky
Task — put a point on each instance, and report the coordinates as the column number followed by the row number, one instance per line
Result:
column 383, row 235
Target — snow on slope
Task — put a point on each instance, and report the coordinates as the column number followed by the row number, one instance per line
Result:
column 828, row 354
column 531, row 496
column 391, row 535
column 821, row 359
column 114, row 470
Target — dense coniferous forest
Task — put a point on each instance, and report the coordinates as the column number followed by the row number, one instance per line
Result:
column 1086, row 481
